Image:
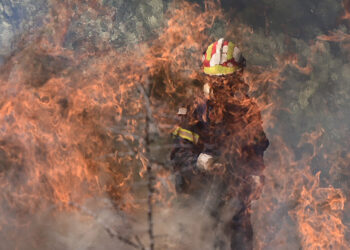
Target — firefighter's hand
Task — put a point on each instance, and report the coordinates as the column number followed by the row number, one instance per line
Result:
column 205, row 162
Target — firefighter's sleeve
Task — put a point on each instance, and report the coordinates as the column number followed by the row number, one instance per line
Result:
column 183, row 158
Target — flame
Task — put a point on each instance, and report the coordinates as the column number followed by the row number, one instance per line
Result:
column 336, row 36
column 59, row 114
column 319, row 216
column 346, row 5
column 72, row 121
column 73, row 124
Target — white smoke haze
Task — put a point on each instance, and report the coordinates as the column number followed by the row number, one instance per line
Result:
column 190, row 223
column 187, row 224
column 88, row 227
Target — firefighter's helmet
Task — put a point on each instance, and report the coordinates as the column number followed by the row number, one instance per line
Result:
column 221, row 58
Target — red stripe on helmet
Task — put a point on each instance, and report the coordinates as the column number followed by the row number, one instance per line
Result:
column 206, row 63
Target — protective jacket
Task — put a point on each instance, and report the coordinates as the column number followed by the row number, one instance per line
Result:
column 227, row 126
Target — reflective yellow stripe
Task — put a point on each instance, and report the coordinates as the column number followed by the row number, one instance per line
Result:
column 231, row 46
column 219, row 70
column 209, row 50
column 186, row 134
column 176, row 131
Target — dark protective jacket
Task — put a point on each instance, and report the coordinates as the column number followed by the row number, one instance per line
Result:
column 230, row 129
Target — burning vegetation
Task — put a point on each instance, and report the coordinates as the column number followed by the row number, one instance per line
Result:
column 87, row 108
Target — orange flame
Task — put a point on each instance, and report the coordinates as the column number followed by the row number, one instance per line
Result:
column 72, row 123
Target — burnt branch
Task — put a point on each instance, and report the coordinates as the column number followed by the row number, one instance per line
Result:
column 149, row 119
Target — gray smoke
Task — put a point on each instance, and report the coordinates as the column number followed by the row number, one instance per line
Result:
column 309, row 103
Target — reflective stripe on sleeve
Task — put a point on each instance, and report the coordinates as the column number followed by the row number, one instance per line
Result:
column 186, row 134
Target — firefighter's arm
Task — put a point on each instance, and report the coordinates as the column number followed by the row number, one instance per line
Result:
column 206, row 156
column 186, row 146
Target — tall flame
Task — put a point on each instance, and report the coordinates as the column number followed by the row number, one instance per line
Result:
column 73, row 127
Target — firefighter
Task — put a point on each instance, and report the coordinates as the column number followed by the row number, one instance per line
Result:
column 220, row 139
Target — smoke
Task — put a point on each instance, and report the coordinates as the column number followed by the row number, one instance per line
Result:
column 72, row 122
column 195, row 222
column 94, row 225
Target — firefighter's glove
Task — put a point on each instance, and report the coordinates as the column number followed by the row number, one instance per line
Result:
column 205, row 162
